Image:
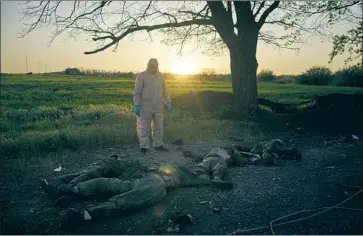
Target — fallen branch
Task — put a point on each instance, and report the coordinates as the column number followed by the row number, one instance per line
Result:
column 316, row 214
column 322, row 210
column 354, row 186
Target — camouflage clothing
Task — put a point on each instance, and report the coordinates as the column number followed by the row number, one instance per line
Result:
column 149, row 190
column 127, row 195
column 215, row 163
column 181, row 176
column 263, row 153
column 112, row 179
column 121, row 168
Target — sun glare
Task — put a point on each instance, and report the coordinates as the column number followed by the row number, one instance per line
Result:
column 182, row 67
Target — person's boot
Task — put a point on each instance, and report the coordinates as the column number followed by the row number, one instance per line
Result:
column 65, row 190
column 56, row 192
column 298, row 156
column 50, row 189
column 144, row 150
column 222, row 185
column 161, row 148
column 44, row 185
column 65, row 201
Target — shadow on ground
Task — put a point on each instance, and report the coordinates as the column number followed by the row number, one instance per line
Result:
column 332, row 114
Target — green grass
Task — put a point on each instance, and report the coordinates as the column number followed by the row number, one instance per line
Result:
column 42, row 113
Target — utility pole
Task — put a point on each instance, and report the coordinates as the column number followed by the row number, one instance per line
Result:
column 39, row 67
column 26, row 63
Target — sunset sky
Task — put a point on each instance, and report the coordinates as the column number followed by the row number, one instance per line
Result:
column 133, row 55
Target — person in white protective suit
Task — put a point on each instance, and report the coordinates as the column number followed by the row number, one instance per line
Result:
column 149, row 95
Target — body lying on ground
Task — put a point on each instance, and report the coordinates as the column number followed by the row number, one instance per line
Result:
column 128, row 186
column 263, row 153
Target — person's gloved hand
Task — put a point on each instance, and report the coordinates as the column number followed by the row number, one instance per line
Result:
column 137, row 110
column 170, row 107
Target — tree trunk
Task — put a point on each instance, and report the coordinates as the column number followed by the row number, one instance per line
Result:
column 243, row 71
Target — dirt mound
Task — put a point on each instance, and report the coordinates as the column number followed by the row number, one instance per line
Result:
column 341, row 118
column 332, row 113
column 319, row 102
column 206, row 101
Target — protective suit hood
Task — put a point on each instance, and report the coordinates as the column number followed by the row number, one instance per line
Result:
column 152, row 62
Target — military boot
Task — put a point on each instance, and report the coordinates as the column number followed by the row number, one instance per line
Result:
column 65, row 201
column 222, row 185
column 144, row 150
column 50, row 189
column 161, row 148
column 55, row 192
column 225, row 184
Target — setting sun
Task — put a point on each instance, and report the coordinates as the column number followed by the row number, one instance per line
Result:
column 182, row 67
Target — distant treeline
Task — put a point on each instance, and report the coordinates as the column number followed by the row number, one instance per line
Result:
column 351, row 76
column 207, row 74
column 317, row 75
column 101, row 73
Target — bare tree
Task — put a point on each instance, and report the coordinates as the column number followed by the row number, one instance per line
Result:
column 219, row 26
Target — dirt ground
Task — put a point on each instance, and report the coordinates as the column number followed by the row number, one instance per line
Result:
column 260, row 194
column 331, row 167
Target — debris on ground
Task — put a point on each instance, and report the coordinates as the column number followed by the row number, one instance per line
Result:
column 178, row 221
column 205, row 202
column 355, row 137
column 182, row 219
column 331, row 142
column 58, row 169
column 173, row 229
column 216, row 211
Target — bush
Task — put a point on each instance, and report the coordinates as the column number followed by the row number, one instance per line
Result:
column 351, row 76
column 286, row 79
column 266, row 76
column 317, row 75
column 72, row 71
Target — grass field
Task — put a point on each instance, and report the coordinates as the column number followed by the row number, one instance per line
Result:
column 49, row 113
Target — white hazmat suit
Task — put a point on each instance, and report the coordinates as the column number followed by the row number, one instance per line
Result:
column 150, row 92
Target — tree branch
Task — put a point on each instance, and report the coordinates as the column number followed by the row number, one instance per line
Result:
column 280, row 22
column 245, row 19
column 254, row 5
column 229, row 10
column 332, row 8
column 222, row 22
column 148, row 29
column 260, row 8
column 35, row 24
column 103, row 3
column 198, row 14
column 266, row 13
